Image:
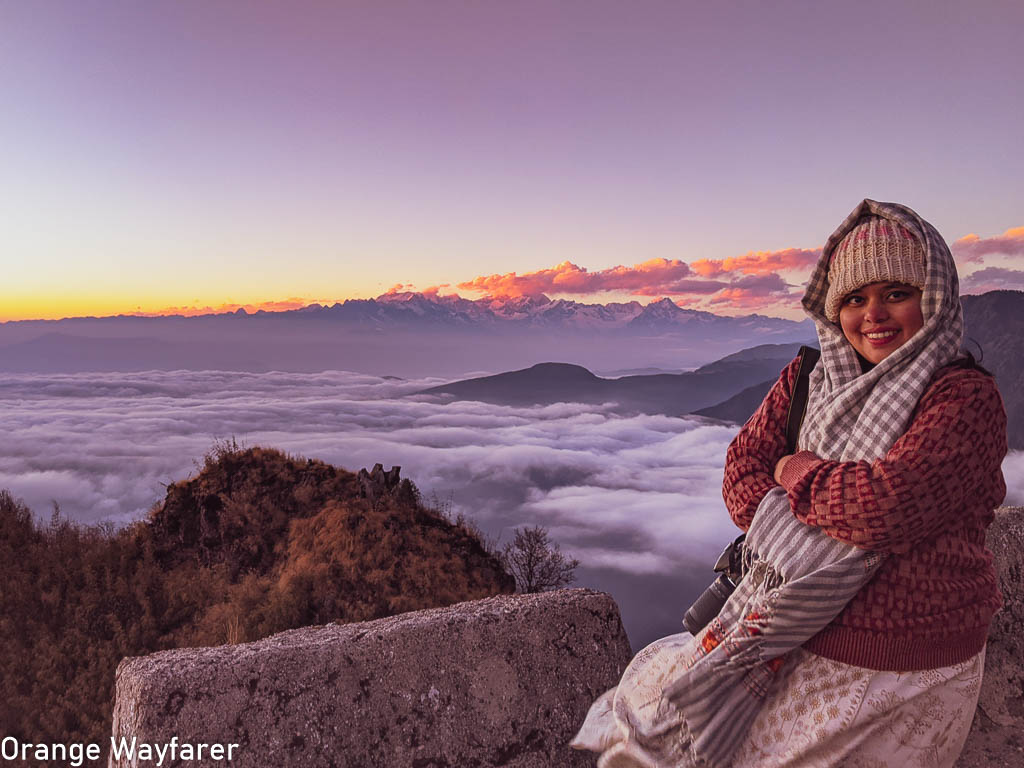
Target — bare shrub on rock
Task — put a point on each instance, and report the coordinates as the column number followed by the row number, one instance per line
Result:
column 536, row 562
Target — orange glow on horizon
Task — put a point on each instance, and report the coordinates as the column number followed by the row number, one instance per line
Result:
column 59, row 308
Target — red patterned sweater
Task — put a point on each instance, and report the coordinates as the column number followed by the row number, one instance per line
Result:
column 927, row 504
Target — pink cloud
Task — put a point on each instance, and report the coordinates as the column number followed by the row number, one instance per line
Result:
column 649, row 278
column 758, row 292
column 758, row 262
column 972, row 249
column 993, row 279
column 752, row 285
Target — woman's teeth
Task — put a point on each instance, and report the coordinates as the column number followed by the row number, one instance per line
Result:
column 882, row 335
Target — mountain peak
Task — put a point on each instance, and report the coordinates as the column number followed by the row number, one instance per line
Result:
column 564, row 369
column 402, row 297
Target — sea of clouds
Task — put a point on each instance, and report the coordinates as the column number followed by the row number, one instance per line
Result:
column 636, row 499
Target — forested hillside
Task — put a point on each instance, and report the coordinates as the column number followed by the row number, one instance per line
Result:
column 256, row 543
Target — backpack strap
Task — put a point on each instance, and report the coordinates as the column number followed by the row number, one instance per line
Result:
column 731, row 561
column 798, row 402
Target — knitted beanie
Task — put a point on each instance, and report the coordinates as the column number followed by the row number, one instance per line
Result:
column 875, row 250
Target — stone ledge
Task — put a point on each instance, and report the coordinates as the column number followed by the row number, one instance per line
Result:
column 996, row 734
column 504, row 681
column 499, row 682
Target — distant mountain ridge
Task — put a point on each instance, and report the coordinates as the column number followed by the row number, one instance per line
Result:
column 665, row 393
column 731, row 388
column 405, row 334
column 662, row 315
column 413, row 334
column 659, row 316
column 431, row 310
column 993, row 333
column 994, row 321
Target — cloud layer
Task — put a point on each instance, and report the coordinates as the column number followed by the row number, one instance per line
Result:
column 103, row 445
column 637, row 500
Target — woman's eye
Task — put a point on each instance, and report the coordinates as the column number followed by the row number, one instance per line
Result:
column 898, row 295
column 853, row 300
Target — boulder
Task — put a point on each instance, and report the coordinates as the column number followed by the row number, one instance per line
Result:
column 504, row 681
column 996, row 734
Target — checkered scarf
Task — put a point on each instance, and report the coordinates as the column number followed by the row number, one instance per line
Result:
column 799, row 579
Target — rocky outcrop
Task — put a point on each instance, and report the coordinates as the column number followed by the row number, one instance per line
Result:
column 504, row 681
column 377, row 483
column 997, row 735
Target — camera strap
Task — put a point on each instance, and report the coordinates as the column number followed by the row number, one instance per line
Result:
column 798, row 402
column 730, row 561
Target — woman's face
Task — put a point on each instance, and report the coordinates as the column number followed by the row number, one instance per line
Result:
column 880, row 317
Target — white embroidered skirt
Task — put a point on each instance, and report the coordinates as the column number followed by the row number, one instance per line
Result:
column 819, row 714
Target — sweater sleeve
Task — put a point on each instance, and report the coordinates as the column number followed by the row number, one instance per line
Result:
column 752, row 454
column 953, row 448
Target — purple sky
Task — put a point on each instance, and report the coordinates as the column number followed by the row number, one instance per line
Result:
column 176, row 153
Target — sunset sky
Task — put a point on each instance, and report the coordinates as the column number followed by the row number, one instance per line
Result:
column 177, row 156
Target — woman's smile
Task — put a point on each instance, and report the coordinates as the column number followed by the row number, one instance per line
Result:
column 882, row 337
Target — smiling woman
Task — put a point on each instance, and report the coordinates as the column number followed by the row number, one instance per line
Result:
column 859, row 628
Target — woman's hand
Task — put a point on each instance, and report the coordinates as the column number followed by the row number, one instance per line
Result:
column 779, row 467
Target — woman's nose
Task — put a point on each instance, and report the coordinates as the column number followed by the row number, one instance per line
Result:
column 876, row 311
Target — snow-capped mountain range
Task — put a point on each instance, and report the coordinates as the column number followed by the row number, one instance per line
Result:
column 661, row 316
column 402, row 334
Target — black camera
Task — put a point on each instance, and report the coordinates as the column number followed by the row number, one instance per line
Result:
column 730, row 570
